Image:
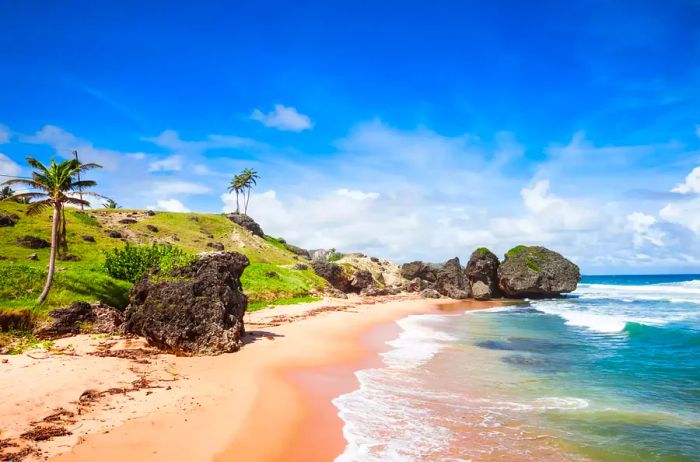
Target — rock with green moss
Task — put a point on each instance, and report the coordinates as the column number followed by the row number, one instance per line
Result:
column 450, row 280
column 536, row 272
column 482, row 273
column 195, row 309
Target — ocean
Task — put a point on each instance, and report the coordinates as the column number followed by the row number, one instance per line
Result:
column 608, row 373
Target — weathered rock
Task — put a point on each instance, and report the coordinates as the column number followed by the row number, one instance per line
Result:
column 80, row 317
column 153, row 229
column 197, row 309
column 6, row 220
column 430, row 293
column 89, row 238
column 114, row 234
column 298, row 251
column 334, row 274
column 362, row 279
column 376, row 291
column 33, row 257
column 128, row 221
column 175, row 238
column 481, row 291
column 32, row 242
column 483, row 267
column 215, row 245
column 418, row 269
column 248, row 223
column 301, row 266
column 150, row 213
column 536, row 272
column 319, row 254
column 416, row 285
column 451, row 281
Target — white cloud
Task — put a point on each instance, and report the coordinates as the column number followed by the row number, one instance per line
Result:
column 685, row 213
column 4, row 134
column 170, row 139
column 65, row 143
column 169, row 205
column 9, row 166
column 283, row 118
column 691, row 183
column 642, row 226
column 169, row 188
column 168, row 164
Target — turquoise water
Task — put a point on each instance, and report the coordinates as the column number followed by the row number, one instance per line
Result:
column 609, row 373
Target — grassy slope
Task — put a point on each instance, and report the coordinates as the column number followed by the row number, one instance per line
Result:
column 21, row 279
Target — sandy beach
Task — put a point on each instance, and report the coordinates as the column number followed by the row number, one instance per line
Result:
column 115, row 399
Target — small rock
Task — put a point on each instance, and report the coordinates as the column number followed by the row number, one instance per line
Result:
column 114, row 234
column 193, row 218
column 150, row 213
column 152, row 228
column 430, row 293
column 32, row 242
column 88, row 238
column 175, row 238
column 33, row 257
column 301, row 267
column 6, row 220
column 215, row 245
column 68, row 257
column 481, row 291
column 128, row 221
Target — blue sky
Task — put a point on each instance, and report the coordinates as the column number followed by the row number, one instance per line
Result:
column 402, row 129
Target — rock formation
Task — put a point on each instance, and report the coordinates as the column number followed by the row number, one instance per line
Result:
column 536, row 272
column 361, row 280
column 197, row 309
column 450, row 280
column 32, row 242
column 246, row 222
column 334, row 274
column 482, row 273
column 418, row 269
column 6, row 220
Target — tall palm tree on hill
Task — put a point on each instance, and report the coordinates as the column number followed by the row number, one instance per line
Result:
column 53, row 186
column 236, row 186
column 6, row 192
column 250, row 179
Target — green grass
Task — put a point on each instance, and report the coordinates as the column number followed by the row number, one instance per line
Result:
column 282, row 301
column 15, row 342
column 532, row 256
column 21, row 279
column 482, row 251
column 272, row 284
column 515, row 251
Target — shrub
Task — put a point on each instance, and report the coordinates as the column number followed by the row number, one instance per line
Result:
column 334, row 256
column 131, row 262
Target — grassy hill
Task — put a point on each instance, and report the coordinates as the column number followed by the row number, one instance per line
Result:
column 270, row 277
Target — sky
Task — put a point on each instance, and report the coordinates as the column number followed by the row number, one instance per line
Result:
column 405, row 130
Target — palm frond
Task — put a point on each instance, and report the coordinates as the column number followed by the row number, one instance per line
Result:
column 36, row 208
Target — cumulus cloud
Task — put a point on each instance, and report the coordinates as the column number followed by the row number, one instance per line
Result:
column 691, row 183
column 283, row 118
column 643, row 230
column 170, row 139
column 168, row 164
column 169, row 205
column 8, row 166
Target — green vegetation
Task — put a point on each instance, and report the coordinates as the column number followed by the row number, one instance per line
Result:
column 515, row 251
column 111, row 204
column 15, row 342
column 255, row 306
column 482, row 251
column 131, row 262
column 334, row 256
column 21, row 279
column 532, row 256
column 266, row 283
column 242, row 184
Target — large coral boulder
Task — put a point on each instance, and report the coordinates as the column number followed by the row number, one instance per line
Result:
column 361, row 280
column 420, row 270
column 248, row 223
column 536, row 272
column 334, row 274
column 196, row 309
column 451, row 281
column 482, row 273
column 80, row 317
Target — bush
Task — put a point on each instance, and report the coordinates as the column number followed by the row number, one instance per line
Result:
column 131, row 262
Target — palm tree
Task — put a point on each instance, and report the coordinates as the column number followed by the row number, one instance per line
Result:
column 6, row 192
column 111, row 204
column 53, row 185
column 237, row 185
column 250, row 179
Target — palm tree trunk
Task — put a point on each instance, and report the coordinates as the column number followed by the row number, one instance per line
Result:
column 64, row 236
column 247, row 198
column 52, row 255
column 238, row 207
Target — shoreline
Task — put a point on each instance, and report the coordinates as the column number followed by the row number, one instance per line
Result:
column 225, row 408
